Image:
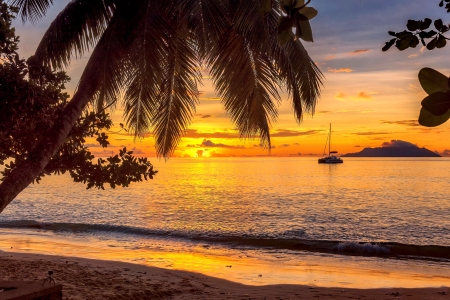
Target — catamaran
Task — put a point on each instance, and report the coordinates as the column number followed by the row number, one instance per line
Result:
column 331, row 158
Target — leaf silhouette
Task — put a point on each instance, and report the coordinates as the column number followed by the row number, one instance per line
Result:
column 427, row 119
column 437, row 103
column 433, row 81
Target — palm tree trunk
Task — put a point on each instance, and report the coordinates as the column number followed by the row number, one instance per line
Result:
column 27, row 171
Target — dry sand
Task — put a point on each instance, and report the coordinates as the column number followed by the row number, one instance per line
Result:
column 98, row 279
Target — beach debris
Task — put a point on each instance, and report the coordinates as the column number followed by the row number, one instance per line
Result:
column 49, row 278
column 395, row 294
column 229, row 266
column 442, row 293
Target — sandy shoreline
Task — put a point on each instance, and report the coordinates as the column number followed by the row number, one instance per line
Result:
column 100, row 279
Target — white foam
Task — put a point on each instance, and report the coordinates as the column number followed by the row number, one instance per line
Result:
column 361, row 248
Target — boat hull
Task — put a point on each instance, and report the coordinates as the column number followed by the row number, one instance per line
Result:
column 330, row 161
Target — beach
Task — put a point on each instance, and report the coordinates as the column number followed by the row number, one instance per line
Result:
column 101, row 279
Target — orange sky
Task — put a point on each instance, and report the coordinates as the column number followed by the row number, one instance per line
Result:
column 369, row 96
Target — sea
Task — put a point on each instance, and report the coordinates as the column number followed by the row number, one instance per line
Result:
column 369, row 222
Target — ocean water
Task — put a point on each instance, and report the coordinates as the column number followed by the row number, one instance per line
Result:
column 395, row 208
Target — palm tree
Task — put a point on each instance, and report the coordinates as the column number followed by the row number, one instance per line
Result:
column 153, row 51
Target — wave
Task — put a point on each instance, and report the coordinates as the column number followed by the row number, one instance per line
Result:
column 383, row 249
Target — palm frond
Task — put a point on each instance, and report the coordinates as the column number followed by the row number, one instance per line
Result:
column 247, row 81
column 108, row 65
column 76, row 28
column 207, row 19
column 179, row 93
column 32, row 10
column 146, row 54
column 303, row 78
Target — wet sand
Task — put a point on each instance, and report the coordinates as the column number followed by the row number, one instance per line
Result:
column 101, row 279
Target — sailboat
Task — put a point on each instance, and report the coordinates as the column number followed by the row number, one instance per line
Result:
column 331, row 158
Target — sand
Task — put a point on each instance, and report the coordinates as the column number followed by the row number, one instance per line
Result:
column 100, row 279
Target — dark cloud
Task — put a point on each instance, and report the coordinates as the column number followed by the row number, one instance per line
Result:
column 397, row 144
column 206, row 116
column 191, row 133
column 284, row 145
column 357, row 146
column 357, row 52
column 209, row 143
column 137, row 151
column 446, row 153
column 412, row 123
column 92, row 145
column 289, row 133
column 371, row 133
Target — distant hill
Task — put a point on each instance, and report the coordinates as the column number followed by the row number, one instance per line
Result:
column 393, row 152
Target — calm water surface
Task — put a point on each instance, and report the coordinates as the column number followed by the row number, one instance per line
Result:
column 397, row 200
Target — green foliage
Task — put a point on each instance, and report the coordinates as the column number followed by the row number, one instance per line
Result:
column 31, row 97
column 417, row 33
column 296, row 15
column 435, row 107
column 427, row 119
column 433, row 81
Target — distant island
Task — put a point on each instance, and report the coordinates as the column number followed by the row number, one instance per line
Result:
column 395, row 148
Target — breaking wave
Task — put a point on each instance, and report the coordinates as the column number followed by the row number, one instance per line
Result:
column 288, row 241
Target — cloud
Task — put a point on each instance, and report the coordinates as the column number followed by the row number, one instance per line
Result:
column 323, row 112
column 217, row 154
column 413, row 55
column 357, row 146
column 209, row 143
column 191, row 133
column 210, row 98
column 340, row 96
column 289, row 133
column 199, row 153
column 358, row 97
column 371, row 133
column 137, row 151
column 358, row 52
column 340, row 70
column 411, row 123
column 364, row 95
column 446, row 152
column 206, row 116
column 284, row 145
column 330, row 57
column 397, row 144
column 92, row 145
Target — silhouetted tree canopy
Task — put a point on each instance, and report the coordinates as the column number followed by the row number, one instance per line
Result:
column 31, row 96
column 152, row 52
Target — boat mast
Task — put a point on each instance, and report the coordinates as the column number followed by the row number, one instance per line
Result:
column 329, row 142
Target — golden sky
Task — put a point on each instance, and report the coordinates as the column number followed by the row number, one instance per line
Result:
column 369, row 96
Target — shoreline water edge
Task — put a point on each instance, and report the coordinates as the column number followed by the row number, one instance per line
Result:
column 103, row 279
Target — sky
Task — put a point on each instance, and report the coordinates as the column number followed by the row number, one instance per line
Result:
column 370, row 97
